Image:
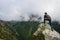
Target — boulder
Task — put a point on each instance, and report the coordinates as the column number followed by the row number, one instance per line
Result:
column 44, row 32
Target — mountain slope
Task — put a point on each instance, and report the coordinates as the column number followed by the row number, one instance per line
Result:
column 19, row 30
column 6, row 33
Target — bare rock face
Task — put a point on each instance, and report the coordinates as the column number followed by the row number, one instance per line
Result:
column 44, row 32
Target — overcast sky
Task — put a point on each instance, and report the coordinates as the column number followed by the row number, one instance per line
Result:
column 13, row 9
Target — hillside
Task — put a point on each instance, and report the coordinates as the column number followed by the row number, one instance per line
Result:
column 6, row 33
column 17, row 30
column 11, row 30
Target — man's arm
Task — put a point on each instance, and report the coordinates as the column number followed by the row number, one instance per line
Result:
column 48, row 17
column 45, row 17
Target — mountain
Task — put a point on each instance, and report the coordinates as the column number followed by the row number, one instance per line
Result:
column 11, row 30
column 17, row 30
column 6, row 33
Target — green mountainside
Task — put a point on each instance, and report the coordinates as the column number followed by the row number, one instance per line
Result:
column 18, row 30
column 6, row 33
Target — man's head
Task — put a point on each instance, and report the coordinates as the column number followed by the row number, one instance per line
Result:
column 45, row 13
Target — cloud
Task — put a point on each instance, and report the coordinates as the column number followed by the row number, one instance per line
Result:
column 13, row 9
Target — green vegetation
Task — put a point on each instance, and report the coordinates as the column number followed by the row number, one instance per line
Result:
column 17, row 30
column 6, row 33
column 20, row 30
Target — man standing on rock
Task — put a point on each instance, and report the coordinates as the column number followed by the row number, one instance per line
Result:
column 47, row 18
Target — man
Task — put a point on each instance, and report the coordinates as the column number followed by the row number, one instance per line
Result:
column 47, row 18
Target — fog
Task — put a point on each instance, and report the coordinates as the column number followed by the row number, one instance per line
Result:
column 15, row 9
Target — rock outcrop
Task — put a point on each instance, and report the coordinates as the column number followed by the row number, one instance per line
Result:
column 44, row 32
